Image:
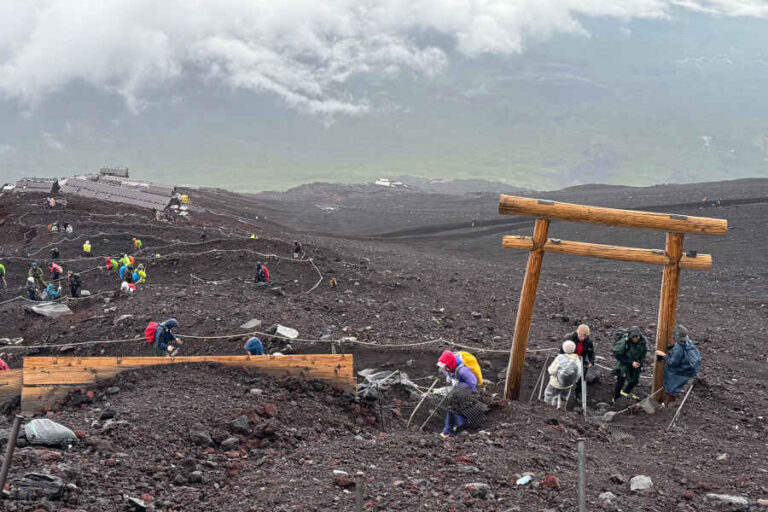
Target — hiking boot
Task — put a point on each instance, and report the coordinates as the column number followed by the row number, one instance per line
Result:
column 445, row 436
column 624, row 394
column 634, row 397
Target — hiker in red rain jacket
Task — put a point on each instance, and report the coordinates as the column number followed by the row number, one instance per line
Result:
column 4, row 366
column 56, row 271
column 262, row 273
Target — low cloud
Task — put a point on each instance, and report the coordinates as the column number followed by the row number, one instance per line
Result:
column 303, row 52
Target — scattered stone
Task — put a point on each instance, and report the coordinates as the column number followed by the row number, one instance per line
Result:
column 200, row 438
column 763, row 502
column 722, row 456
column 640, row 483
column 107, row 414
column 36, row 486
column 479, row 490
column 728, row 499
column 112, row 390
column 687, row 495
column 241, row 425
column 253, row 323
column 467, row 469
column 136, row 503
column 618, row 478
column 195, row 477
column 607, row 496
column 550, row 481
column 230, row 443
column 256, row 391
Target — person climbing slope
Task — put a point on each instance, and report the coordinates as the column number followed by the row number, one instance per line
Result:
column 564, row 372
column 630, row 351
column 464, row 377
column 682, row 363
column 36, row 273
column 164, row 337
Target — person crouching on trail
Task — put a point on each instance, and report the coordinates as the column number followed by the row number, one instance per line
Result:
column 262, row 273
column 564, row 372
column 164, row 337
column 51, row 292
column 464, row 377
column 682, row 363
column 630, row 353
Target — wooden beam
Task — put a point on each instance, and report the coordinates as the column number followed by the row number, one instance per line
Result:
column 612, row 252
column 10, row 384
column 47, row 379
column 525, row 311
column 670, row 284
column 514, row 205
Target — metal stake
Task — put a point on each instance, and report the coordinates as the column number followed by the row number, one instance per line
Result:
column 582, row 478
column 9, row 451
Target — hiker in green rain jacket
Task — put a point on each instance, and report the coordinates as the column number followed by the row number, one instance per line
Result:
column 630, row 353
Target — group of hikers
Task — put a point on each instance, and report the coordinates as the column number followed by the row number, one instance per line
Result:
column 39, row 289
column 58, row 227
column 166, row 343
column 682, row 362
column 126, row 268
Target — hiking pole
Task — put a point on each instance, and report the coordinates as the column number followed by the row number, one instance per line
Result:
column 674, row 418
column 583, row 390
column 539, row 380
column 9, row 451
column 420, row 402
column 582, row 478
column 434, row 411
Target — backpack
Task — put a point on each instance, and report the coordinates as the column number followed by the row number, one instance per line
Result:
column 151, row 331
column 470, row 362
column 568, row 373
column 266, row 273
column 690, row 363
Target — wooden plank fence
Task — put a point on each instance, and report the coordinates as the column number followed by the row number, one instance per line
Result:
column 44, row 380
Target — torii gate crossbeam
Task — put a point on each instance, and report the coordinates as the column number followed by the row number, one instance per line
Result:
column 672, row 258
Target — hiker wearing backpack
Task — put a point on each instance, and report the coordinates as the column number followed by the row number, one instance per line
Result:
column 32, row 291
column 682, row 363
column 163, row 336
column 75, row 284
column 2, row 275
column 564, row 372
column 461, row 374
column 36, row 273
column 262, row 273
column 55, row 270
column 630, row 351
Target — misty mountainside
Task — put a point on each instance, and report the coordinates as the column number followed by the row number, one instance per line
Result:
column 636, row 102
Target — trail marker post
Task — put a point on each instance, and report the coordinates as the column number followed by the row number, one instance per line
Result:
column 672, row 258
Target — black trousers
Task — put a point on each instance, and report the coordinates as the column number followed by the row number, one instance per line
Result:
column 74, row 290
column 626, row 381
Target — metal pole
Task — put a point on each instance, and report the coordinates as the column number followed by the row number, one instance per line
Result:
column 543, row 379
column 674, row 418
column 582, row 478
column 359, row 493
column 583, row 390
column 9, row 451
column 420, row 402
column 538, row 381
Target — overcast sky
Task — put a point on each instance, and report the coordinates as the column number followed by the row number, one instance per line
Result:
column 269, row 94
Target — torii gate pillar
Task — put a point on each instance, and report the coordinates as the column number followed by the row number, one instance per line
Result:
column 672, row 258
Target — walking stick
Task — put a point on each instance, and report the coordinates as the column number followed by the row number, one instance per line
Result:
column 420, row 402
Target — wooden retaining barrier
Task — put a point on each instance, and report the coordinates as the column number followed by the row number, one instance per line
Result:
column 45, row 380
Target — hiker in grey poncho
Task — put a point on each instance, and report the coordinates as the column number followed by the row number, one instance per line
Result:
column 564, row 372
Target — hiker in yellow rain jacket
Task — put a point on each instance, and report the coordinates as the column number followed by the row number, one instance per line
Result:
column 87, row 247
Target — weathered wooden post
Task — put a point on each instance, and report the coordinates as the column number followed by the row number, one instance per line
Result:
column 525, row 310
column 673, row 260
column 670, row 286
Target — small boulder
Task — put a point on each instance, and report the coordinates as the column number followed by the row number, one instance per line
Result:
column 640, row 483
column 200, row 438
column 607, row 496
column 479, row 490
column 241, row 425
column 730, row 500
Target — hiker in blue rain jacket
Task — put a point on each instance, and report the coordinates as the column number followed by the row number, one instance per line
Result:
column 164, row 337
column 682, row 363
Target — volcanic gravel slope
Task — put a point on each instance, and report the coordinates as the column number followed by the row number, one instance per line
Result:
column 436, row 282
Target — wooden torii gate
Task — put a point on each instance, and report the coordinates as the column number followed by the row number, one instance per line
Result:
column 672, row 258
